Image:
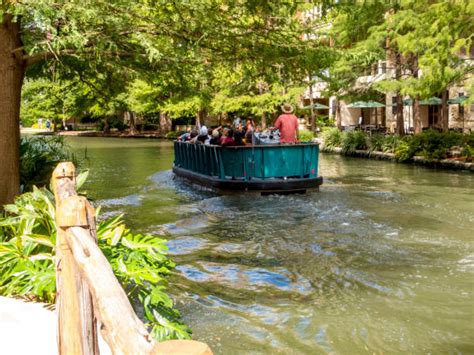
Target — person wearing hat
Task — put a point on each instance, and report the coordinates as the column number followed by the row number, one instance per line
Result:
column 288, row 124
column 203, row 136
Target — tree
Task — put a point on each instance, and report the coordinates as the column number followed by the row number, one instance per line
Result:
column 84, row 39
column 353, row 49
column 427, row 38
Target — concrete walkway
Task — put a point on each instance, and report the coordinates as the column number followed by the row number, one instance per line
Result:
column 30, row 328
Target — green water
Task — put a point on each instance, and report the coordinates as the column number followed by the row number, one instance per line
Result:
column 381, row 260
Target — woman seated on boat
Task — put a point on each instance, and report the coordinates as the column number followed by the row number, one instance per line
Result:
column 216, row 136
column 188, row 136
column 228, row 138
column 239, row 135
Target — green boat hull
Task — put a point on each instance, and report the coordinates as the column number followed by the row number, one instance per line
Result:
column 278, row 168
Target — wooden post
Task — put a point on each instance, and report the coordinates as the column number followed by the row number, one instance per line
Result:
column 77, row 331
column 85, row 279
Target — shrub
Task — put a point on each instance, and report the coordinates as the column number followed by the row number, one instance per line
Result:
column 433, row 144
column 352, row 141
column 391, row 143
column 305, row 135
column 403, row 151
column 27, row 246
column 332, row 139
column 39, row 156
column 376, row 142
column 325, row 121
column 173, row 135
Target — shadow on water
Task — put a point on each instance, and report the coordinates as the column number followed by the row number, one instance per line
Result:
column 381, row 259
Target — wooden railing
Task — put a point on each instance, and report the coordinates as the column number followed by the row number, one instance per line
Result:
column 88, row 294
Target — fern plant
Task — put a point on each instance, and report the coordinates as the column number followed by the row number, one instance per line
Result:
column 27, row 249
column 39, row 155
column 352, row 141
column 332, row 139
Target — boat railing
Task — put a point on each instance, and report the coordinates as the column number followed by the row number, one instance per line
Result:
column 249, row 162
column 88, row 291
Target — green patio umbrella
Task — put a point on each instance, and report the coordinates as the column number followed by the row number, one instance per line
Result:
column 431, row 101
column 357, row 104
column 317, row 106
column 366, row 104
column 374, row 104
column 458, row 100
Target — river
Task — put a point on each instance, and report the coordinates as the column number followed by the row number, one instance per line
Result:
column 380, row 260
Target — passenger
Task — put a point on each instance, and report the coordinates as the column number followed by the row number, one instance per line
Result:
column 228, row 138
column 184, row 137
column 288, row 124
column 193, row 136
column 203, row 136
column 250, row 127
column 239, row 135
column 216, row 137
column 250, row 124
column 236, row 122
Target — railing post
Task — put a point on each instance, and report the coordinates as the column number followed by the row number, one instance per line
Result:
column 84, row 278
column 77, row 331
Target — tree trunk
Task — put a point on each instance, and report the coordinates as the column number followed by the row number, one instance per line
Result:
column 444, row 111
column 263, row 121
column 131, row 116
column 106, row 125
column 311, row 102
column 198, row 121
column 12, row 71
column 338, row 115
column 416, row 116
column 165, row 123
column 398, row 74
column 417, row 124
column 400, row 123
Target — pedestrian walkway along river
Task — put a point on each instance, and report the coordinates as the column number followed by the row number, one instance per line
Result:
column 380, row 260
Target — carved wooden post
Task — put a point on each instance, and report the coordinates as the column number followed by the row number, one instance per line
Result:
column 77, row 331
column 85, row 279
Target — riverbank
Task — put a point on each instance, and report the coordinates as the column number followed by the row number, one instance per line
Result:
column 100, row 134
column 30, row 328
column 452, row 164
column 117, row 134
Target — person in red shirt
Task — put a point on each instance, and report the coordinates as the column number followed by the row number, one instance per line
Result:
column 288, row 124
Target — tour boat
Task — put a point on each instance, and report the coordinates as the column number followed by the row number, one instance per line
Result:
column 277, row 168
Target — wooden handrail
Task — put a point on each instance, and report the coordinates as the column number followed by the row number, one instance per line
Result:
column 87, row 289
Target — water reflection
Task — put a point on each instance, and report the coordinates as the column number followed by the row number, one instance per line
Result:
column 380, row 260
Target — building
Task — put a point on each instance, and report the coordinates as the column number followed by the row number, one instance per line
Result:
column 461, row 116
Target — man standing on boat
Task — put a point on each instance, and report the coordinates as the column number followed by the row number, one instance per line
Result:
column 288, row 124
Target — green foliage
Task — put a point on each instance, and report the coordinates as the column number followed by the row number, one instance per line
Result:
column 352, row 141
column 173, row 134
column 332, row 139
column 305, row 135
column 325, row 121
column 39, row 156
column 403, row 151
column 435, row 145
column 430, row 144
column 391, row 143
column 375, row 142
column 27, row 248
